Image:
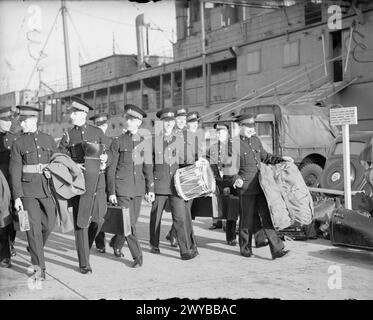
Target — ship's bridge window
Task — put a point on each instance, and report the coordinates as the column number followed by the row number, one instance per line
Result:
column 291, row 54
column 253, row 62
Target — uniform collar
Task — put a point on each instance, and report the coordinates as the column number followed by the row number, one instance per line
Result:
column 80, row 127
column 35, row 133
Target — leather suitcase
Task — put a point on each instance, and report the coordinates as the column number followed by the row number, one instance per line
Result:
column 352, row 229
column 116, row 222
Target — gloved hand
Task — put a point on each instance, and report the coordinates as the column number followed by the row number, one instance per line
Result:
column 18, row 205
column 113, row 199
column 238, row 183
column 289, row 159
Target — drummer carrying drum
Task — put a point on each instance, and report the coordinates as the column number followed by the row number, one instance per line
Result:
column 252, row 199
column 168, row 147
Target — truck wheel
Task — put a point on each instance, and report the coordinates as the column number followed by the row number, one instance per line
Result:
column 311, row 173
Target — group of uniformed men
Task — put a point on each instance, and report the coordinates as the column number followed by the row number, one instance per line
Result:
column 131, row 166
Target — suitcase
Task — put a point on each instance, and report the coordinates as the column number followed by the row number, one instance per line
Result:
column 117, row 221
column 352, row 229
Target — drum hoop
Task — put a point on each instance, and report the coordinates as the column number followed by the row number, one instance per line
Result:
column 178, row 186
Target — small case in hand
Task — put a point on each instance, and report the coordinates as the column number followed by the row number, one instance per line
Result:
column 24, row 223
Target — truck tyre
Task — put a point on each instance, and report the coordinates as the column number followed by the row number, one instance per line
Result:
column 332, row 177
column 311, row 173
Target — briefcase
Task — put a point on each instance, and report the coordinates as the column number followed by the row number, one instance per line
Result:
column 117, row 221
column 352, row 229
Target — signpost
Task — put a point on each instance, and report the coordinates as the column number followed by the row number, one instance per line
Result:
column 344, row 117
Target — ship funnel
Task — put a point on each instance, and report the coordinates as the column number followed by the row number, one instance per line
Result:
column 140, row 32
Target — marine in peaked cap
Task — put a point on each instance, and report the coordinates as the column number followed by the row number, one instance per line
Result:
column 253, row 202
column 167, row 147
column 7, row 232
column 89, row 208
column 30, row 154
column 130, row 177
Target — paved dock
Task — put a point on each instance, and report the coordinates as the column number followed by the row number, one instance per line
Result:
column 314, row 269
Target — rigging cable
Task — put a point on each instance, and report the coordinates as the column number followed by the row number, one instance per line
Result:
column 41, row 52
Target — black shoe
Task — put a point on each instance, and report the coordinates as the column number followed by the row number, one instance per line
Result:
column 155, row 250
column 5, row 263
column 280, row 254
column 101, row 250
column 246, row 253
column 232, row 242
column 118, row 253
column 189, row 256
column 85, row 270
column 28, row 248
column 261, row 244
column 168, row 237
column 138, row 262
column 13, row 251
column 216, row 226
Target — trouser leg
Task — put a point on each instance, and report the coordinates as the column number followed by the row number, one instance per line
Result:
column 274, row 241
column 12, row 233
column 4, row 242
column 247, row 208
column 179, row 215
column 134, row 206
column 93, row 231
column 192, row 244
column 35, row 234
column 155, row 219
column 48, row 218
column 100, row 240
column 81, row 237
column 230, row 230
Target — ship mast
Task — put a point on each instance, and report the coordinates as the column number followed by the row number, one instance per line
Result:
column 66, row 45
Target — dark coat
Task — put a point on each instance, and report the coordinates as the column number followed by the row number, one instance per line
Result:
column 5, row 213
column 251, row 154
column 6, row 141
column 92, row 204
column 30, row 149
column 167, row 154
column 131, row 170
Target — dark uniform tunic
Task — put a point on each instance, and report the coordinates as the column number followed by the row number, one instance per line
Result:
column 100, row 238
column 129, row 177
column 33, row 188
column 167, row 153
column 7, row 233
column 252, row 199
column 91, row 206
column 224, row 165
column 194, row 148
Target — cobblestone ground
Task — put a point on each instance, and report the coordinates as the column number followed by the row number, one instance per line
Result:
column 313, row 270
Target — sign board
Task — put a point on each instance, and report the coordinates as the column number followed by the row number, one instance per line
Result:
column 341, row 116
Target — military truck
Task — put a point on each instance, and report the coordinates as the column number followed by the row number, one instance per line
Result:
column 302, row 132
